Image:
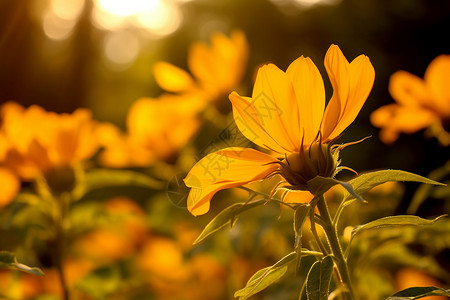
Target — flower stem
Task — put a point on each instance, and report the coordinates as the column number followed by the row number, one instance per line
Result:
column 61, row 227
column 335, row 246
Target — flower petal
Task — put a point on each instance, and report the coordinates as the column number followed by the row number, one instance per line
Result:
column 230, row 167
column 351, row 86
column 408, row 89
column 310, row 94
column 172, row 78
column 246, row 118
column 165, row 124
column 298, row 197
column 437, row 78
column 275, row 105
column 219, row 67
column 10, row 186
column 394, row 118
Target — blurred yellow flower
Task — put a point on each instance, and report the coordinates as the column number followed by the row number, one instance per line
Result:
column 156, row 129
column 17, row 285
column 286, row 115
column 34, row 142
column 118, row 238
column 171, row 276
column 409, row 277
column 10, row 186
column 216, row 69
column 421, row 103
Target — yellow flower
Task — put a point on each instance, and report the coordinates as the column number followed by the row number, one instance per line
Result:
column 216, row 69
column 421, row 103
column 34, row 142
column 156, row 129
column 286, row 115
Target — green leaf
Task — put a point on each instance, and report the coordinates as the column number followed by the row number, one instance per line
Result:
column 319, row 278
column 366, row 182
column 265, row 277
column 319, row 185
column 300, row 215
column 227, row 216
column 103, row 178
column 393, row 221
column 424, row 191
column 101, row 283
column 9, row 261
column 419, row 292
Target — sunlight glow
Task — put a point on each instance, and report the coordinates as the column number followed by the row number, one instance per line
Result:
column 57, row 28
column 121, row 48
column 287, row 5
column 314, row 2
column 159, row 17
column 68, row 10
column 60, row 18
column 128, row 7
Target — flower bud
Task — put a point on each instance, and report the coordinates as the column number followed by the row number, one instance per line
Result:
column 318, row 160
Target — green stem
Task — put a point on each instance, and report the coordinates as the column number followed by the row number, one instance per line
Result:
column 335, row 246
column 314, row 232
column 62, row 203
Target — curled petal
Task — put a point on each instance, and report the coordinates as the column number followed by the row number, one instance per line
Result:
column 230, row 167
column 351, row 86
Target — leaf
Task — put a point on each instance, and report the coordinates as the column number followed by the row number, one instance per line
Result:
column 300, row 215
column 366, row 182
column 319, row 278
column 265, row 277
column 9, row 261
column 419, row 292
column 393, row 221
column 102, row 178
column 423, row 191
column 101, row 283
column 227, row 216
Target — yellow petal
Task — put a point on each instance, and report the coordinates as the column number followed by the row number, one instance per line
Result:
column 408, row 89
column 172, row 78
column 73, row 138
column 274, row 102
column 351, row 86
column 10, row 186
column 395, row 119
column 223, row 169
column 310, row 94
column 246, row 118
column 437, row 78
column 298, row 197
column 219, row 67
column 165, row 124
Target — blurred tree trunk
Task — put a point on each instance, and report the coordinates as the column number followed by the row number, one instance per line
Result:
column 26, row 73
column 15, row 47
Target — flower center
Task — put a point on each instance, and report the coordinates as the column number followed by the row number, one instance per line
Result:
column 318, row 160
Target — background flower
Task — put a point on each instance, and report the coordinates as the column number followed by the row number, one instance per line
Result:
column 421, row 103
